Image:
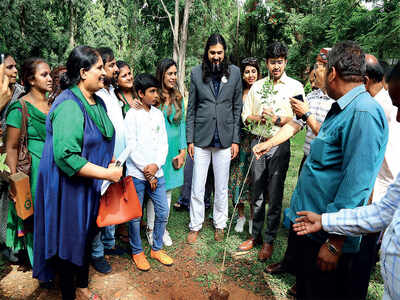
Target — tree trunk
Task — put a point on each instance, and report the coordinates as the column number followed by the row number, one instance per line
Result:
column 72, row 25
column 175, row 55
column 182, row 46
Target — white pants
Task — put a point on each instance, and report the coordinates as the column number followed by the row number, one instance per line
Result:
column 221, row 159
column 150, row 210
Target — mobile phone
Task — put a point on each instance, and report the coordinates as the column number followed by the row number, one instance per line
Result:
column 299, row 97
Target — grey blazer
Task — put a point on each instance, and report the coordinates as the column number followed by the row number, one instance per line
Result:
column 207, row 111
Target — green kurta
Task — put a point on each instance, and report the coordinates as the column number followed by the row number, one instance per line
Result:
column 176, row 141
column 68, row 142
column 36, row 129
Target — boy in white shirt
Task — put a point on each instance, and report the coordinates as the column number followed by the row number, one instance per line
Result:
column 147, row 137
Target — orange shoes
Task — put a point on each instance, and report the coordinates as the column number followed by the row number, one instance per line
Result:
column 141, row 261
column 162, row 257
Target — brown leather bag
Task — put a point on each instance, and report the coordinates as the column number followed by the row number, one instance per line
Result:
column 24, row 162
column 119, row 204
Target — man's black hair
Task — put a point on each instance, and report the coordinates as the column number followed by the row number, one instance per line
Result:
column 348, row 59
column 144, row 82
column 214, row 39
column 394, row 73
column 375, row 71
column 276, row 50
column 106, row 54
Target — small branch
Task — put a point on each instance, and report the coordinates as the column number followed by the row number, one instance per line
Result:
column 169, row 19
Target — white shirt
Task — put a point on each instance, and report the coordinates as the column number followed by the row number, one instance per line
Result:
column 391, row 163
column 114, row 112
column 146, row 136
column 286, row 87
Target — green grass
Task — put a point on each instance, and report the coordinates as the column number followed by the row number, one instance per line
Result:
column 246, row 270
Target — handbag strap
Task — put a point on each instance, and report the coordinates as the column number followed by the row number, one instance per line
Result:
column 24, row 124
column 124, row 189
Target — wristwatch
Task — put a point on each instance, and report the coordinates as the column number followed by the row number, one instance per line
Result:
column 278, row 121
column 305, row 116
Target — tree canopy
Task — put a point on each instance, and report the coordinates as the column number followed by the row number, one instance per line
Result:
column 139, row 31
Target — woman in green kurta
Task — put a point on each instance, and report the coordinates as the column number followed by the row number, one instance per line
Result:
column 172, row 105
column 37, row 82
column 125, row 92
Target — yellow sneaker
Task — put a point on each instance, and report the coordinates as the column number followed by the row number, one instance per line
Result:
column 141, row 261
column 162, row 257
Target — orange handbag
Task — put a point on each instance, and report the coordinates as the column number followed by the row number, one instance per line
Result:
column 119, row 204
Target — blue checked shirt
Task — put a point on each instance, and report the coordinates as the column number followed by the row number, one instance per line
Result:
column 374, row 218
column 319, row 104
column 344, row 160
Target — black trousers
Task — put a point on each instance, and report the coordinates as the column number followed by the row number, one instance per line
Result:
column 288, row 261
column 313, row 284
column 73, row 276
column 363, row 264
column 269, row 174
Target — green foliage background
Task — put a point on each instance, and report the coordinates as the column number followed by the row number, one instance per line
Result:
column 139, row 31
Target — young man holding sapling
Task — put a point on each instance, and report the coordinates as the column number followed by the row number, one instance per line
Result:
column 147, row 138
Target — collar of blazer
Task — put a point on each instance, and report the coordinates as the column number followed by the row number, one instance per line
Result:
column 224, row 81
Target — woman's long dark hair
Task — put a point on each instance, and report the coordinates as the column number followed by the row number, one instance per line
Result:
column 81, row 57
column 56, row 76
column 28, row 70
column 249, row 61
column 174, row 94
column 118, row 91
column 214, row 39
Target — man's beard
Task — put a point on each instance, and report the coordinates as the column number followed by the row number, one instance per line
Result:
column 109, row 81
column 216, row 68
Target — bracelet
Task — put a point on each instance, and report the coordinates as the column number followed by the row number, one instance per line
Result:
column 331, row 248
column 278, row 121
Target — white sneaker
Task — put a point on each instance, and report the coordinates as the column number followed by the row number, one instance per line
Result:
column 167, row 239
column 251, row 226
column 240, row 224
column 149, row 234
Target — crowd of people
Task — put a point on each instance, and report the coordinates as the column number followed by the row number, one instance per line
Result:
column 80, row 117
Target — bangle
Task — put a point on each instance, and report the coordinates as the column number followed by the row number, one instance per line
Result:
column 331, row 248
column 305, row 116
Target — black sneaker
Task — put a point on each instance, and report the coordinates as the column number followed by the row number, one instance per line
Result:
column 114, row 251
column 101, row 265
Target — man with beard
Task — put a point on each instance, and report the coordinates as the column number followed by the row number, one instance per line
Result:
column 104, row 241
column 212, row 131
column 269, row 172
column 339, row 173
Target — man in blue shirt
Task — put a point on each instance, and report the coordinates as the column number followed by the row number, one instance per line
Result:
column 339, row 173
column 378, row 216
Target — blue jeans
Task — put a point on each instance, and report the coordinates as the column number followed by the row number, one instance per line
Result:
column 104, row 239
column 159, row 198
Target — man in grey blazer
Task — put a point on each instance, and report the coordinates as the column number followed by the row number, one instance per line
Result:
column 212, row 131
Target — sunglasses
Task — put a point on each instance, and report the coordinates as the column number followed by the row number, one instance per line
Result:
column 249, row 60
column 324, row 56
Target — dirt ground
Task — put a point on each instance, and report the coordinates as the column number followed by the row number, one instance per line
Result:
column 178, row 282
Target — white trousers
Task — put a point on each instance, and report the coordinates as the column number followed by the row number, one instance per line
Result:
column 150, row 210
column 221, row 159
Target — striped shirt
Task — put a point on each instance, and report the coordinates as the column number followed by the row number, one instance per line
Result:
column 374, row 218
column 319, row 104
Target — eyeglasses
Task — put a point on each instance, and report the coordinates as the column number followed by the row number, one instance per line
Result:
column 249, row 60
